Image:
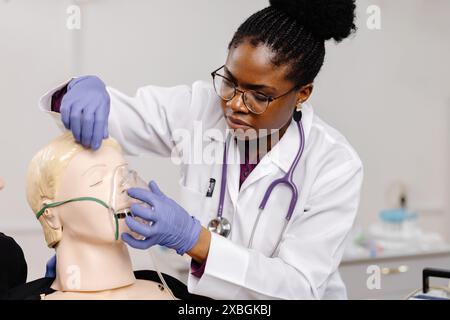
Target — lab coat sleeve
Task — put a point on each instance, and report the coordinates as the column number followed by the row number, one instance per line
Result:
column 309, row 254
column 146, row 122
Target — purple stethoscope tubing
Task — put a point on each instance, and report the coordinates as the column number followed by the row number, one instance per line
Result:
column 287, row 179
column 223, row 183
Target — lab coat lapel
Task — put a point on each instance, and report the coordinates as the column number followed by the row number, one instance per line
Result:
column 233, row 172
column 233, row 168
column 283, row 153
column 264, row 168
column 280, row 156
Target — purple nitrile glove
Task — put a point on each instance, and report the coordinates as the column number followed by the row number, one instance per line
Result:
column 85, row 110
column 171, row 225
column 50, row 268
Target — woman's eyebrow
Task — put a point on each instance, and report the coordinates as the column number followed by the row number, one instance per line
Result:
column 249, row 85
column 101, row 165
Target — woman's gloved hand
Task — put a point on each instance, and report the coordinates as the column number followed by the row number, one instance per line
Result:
column 171, row 225
column 50, row 268
column 85, row 110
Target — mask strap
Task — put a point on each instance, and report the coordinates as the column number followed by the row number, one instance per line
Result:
column 57, row 204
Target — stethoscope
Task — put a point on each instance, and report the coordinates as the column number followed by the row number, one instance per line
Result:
column 222, row 226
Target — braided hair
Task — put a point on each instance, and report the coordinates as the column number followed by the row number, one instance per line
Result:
column 296, row 31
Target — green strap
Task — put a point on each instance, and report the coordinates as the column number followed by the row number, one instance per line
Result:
column 56, row 204
column 117, row 226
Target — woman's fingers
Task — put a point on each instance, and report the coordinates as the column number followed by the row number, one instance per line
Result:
column 134, row 243
column 144, row 195
column 145, row 213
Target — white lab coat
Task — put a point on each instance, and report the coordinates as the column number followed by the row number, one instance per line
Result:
column 328, row 177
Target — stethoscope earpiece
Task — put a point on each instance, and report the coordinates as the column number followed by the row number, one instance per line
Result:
column 298, row 114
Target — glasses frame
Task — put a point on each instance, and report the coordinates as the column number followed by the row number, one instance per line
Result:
column 243, row 92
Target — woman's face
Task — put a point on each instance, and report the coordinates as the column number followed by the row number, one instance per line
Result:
column 250, row 68
column 91, row 174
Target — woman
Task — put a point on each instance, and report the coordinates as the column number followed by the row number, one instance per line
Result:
column 281, row 246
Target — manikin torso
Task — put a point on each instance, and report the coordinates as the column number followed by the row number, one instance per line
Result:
column 139, row 290
column 91, row 263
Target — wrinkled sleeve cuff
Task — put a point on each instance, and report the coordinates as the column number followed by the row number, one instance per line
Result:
column 57, row 99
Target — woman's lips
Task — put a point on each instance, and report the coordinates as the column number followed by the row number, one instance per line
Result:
column 235, row 123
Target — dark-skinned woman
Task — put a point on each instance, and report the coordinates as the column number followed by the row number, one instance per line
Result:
column 269, row 191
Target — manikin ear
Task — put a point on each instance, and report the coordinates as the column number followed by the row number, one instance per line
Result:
column 51, row 216
column 52, row 225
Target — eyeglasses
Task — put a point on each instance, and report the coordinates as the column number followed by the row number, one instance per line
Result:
column 256, row 102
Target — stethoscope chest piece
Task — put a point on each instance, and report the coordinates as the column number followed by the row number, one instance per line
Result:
column 220, row 225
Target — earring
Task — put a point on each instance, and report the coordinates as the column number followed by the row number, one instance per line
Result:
column 298, row 112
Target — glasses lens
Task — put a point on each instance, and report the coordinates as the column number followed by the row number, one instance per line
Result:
column 224, row 88
column 256, row 102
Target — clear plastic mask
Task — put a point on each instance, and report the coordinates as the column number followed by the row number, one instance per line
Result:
column 120, row 202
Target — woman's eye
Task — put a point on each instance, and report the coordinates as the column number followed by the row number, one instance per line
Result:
column 228, row 83
column 96, row 184
column 260, row 96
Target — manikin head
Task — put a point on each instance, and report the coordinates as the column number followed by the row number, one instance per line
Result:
column 65, row 170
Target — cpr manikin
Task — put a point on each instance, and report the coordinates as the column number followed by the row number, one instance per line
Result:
column 79, row 197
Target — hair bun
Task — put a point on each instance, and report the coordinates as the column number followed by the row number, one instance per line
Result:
column 325, row 19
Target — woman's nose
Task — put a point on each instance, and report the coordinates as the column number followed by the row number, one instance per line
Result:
column 237, row 103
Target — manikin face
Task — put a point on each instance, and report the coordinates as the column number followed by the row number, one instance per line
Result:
column 93, row 174
column 2, row 184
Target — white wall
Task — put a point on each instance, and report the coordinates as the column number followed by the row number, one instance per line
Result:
column 386, row 90
column 34, row 54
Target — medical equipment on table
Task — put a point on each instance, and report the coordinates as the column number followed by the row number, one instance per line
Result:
column 222, row 226
column 399, row 219
column 428, row 292
column 397, row 228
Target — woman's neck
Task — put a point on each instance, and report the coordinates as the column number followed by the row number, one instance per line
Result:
column 252, row 151
column 82, row 266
